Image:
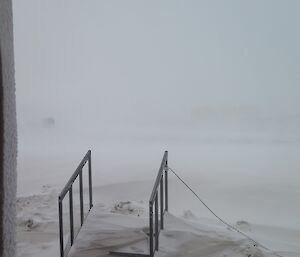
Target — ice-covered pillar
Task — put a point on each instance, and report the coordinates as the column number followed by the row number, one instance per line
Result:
column 8, row 132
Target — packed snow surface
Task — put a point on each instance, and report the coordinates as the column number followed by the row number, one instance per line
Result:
column 119, row 222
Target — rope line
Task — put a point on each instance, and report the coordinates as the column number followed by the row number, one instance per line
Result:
column 221, row 220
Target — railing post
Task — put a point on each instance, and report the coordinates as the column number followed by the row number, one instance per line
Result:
column 156, row 222
column 71, row 215
column 61, row 232
column 81, row 197
column 166, row 183
column 90, row 180
column 151, row 228
column 162, row 203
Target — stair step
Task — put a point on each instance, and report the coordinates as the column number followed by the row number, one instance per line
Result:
column 139, row 249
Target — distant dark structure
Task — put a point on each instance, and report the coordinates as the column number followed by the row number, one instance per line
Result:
column 48, row 122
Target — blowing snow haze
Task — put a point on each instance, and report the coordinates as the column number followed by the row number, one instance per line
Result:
column 214, row 82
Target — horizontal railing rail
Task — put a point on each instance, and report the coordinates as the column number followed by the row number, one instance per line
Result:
column 158, row 204
column 68, row 189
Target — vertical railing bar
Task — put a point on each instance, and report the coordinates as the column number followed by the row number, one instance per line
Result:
column 162, row 202
column 151, row 228
column 166, row 183
column 71, row 215
column 61, row 233
column 81, row 198
column 166, row 190
column 90, row 181
column 156, row 222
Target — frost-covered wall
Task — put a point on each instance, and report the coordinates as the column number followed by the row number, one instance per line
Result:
column 8, row 132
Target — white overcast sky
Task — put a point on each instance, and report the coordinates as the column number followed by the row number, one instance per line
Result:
column 214, row 82
column 154, row 64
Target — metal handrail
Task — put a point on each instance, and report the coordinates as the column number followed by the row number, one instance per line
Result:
column 153, row 204
column 68, row 188
column 163, row 164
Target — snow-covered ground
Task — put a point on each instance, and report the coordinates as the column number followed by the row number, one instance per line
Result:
column 254, row 186
column 119, row 220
